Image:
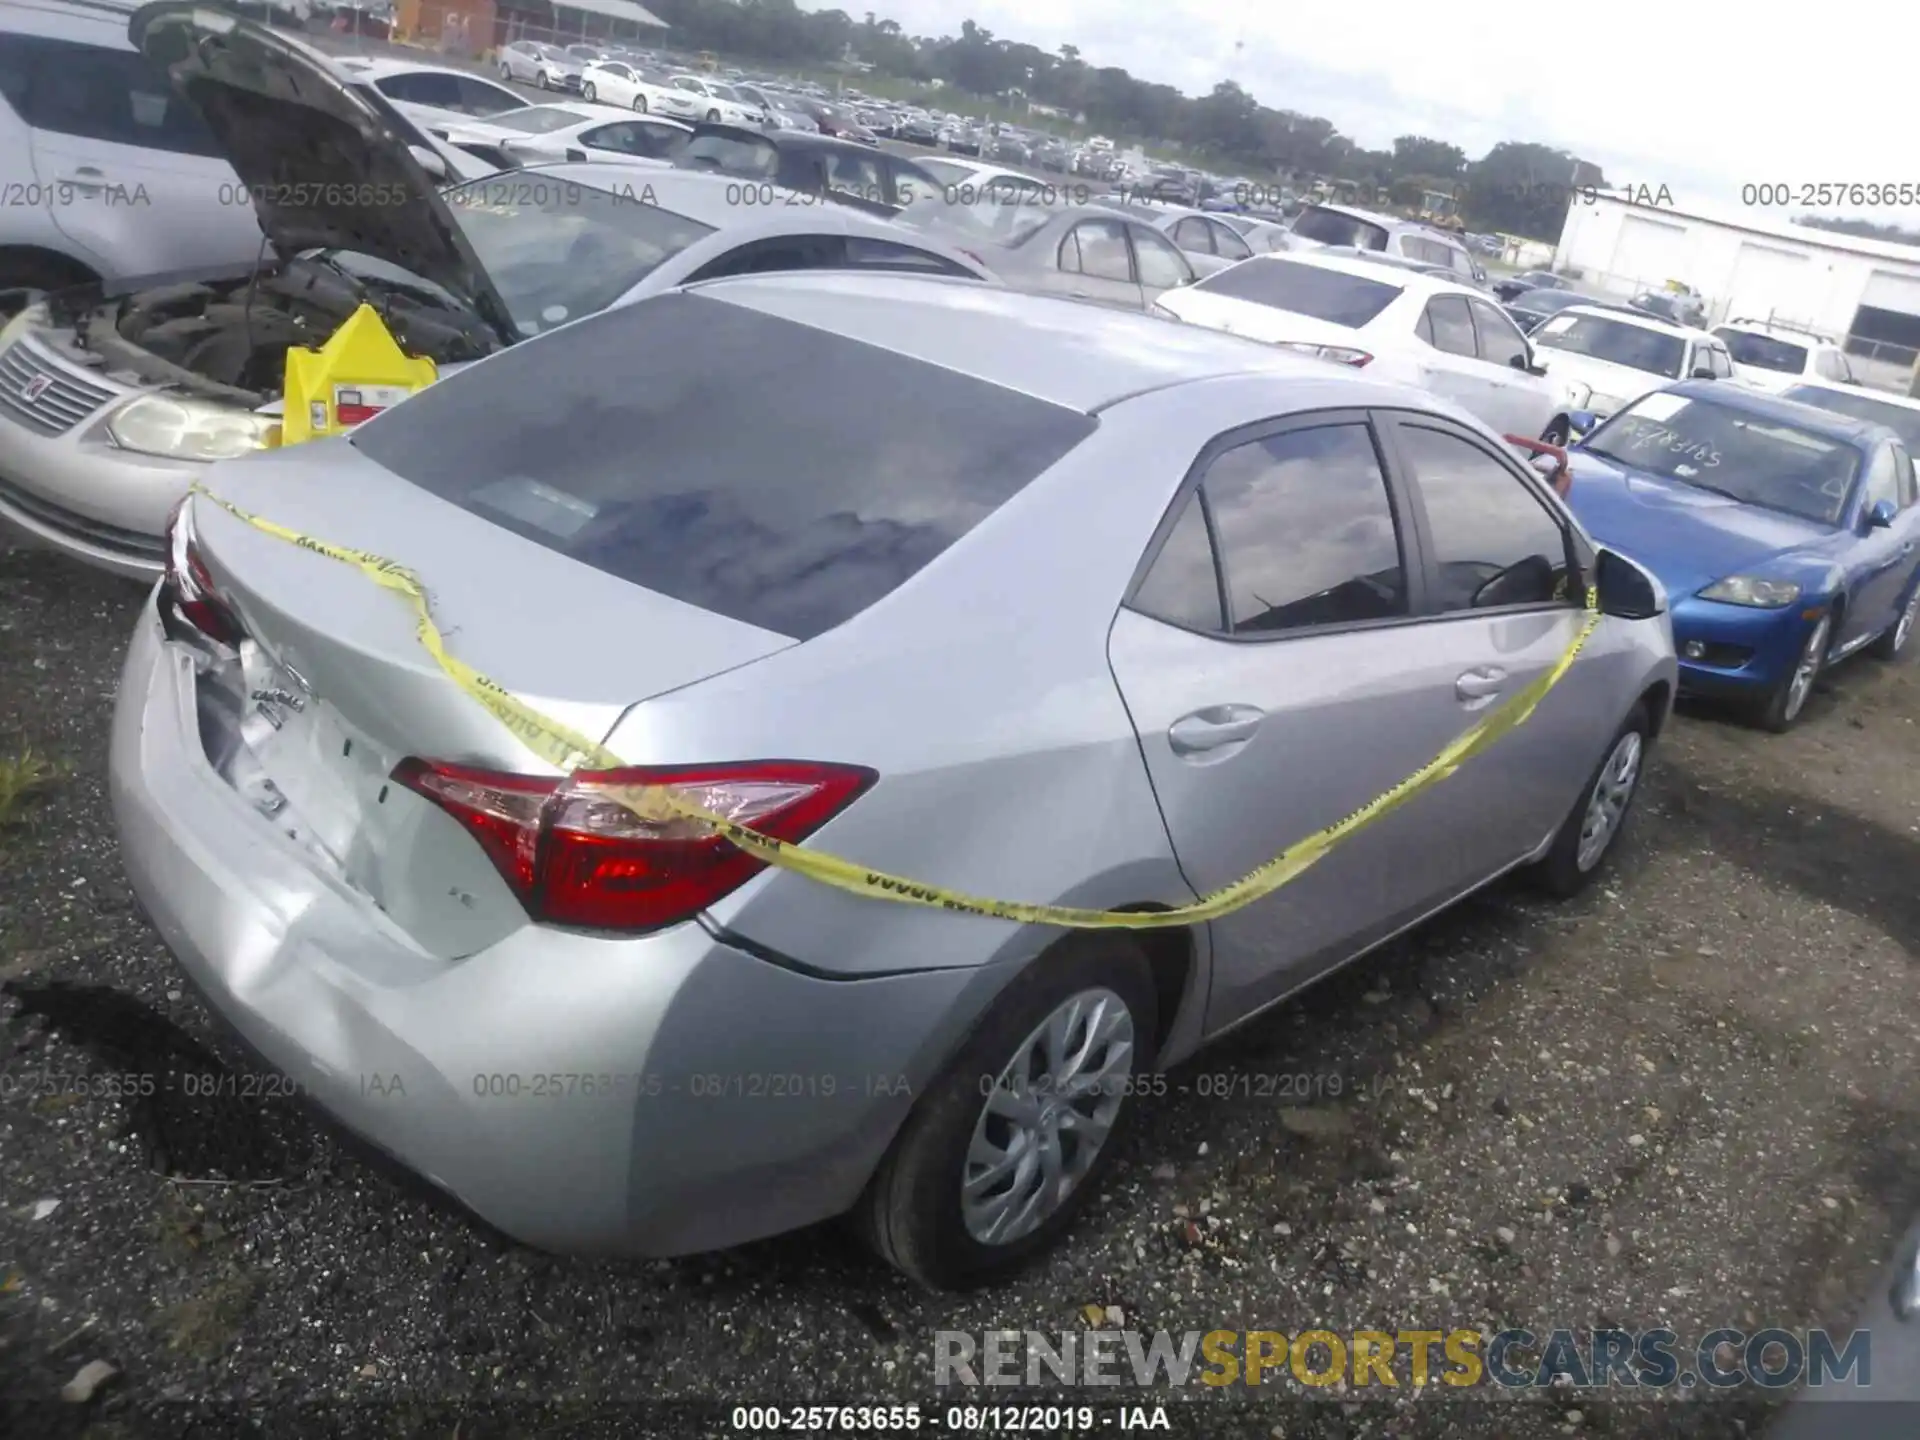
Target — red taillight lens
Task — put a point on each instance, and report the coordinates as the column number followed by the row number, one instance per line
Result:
column 189, row 588
column 575, row 855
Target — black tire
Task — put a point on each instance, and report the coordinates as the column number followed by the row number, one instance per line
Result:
column 587, row 92
column 1779, row 708
column 1557, row 432
column 640, row 104
column 545, row 84
column 36, row 273
column 506, row 73
column 1891, row 643
column 1559, row 871
column 713, row 117
column 911, row 1212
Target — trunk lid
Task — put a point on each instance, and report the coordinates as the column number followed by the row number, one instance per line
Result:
column 334, row 687
column 325, row 161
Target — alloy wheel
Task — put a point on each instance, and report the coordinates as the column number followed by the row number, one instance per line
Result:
column 1808, row 668
column 1612, row 792
column 1047, row 1116
column 587, row 91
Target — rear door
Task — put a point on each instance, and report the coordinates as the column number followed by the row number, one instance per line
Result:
column 1274, row 659
column 1095, row 263
column 1451, row 365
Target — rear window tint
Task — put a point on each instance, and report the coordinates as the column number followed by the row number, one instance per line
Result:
column 1331, row 227
column 757, row 468
column 731, row 155
column 1331, row 295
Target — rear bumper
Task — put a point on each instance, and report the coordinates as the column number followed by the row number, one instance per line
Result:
column 654, row 1096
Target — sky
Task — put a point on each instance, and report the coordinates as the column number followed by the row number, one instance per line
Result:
column 1812, row 107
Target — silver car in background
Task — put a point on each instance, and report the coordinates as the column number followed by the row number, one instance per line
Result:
column 534, row 63
column 1035, row 601
column 1084, row 252
column 112, row 402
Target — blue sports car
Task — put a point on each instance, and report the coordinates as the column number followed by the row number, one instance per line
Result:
column 1785, row 535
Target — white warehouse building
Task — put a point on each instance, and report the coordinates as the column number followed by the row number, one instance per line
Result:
column 1864, row 293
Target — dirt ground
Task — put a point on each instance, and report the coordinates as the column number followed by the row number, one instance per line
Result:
column 1686, row 1099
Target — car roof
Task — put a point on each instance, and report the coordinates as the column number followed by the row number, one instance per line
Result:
column 379, row 67
column 1788, row 333
column 1829, row 423
column 1417, row 282
column 1372, row 217
column 1627, row 316
column 1070, row 353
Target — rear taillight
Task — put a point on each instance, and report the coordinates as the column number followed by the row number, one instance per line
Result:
column 188, row 588
column 575, row 855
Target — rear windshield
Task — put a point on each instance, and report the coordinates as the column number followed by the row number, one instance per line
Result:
column 1331, row 295
column 760, row 469
column 1331, row 227
column 731, row 155
column 537, row 119
column 1763, row 352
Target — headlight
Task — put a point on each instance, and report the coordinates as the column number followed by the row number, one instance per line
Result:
column 1579, row 396
column 1163, row 312
column 27, row 319
column 1753, row 591
column 187, row 429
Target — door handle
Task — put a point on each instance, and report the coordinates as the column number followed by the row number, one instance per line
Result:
column 85, row 177
column 1479, row 683
column 1214, row 728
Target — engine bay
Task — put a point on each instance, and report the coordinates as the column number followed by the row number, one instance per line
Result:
column 228, row 339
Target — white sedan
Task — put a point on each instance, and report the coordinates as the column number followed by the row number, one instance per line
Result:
column 718, row 103
column 615, row 82
column 1394, row 323
column 573, row 130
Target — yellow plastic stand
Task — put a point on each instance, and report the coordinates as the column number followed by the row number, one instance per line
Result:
column 358, row 373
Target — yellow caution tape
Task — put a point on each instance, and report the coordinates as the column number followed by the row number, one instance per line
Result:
column 568, row 750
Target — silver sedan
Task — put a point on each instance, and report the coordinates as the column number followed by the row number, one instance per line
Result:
column 1085, row 252
column 1035, row 601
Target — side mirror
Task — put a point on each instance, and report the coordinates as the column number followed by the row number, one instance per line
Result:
column 1701, row 372
column 1582, row 420
column 1521, row 361
column 1880, row 514
column 1625, row 589
column 428, row 161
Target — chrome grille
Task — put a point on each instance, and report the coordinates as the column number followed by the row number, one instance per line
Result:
column 63, row 401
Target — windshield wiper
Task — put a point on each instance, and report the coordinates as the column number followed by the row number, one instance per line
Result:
column 1717, row 490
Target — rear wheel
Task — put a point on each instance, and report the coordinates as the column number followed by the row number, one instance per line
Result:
column 1589, row 833
column 1783, row 704
column 1889, row 643
column 1007, row 1145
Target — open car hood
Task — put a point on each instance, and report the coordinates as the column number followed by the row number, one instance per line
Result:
column 324, row 163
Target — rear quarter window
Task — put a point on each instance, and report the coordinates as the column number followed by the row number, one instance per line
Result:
column 760, row 469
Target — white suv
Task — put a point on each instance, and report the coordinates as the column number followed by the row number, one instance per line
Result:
column 1771, row 356
column 104, row 172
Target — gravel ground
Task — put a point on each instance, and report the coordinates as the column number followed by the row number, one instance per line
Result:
column 1686, row 1099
